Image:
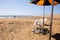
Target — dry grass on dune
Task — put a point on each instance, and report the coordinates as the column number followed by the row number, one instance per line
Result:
column 21, row 29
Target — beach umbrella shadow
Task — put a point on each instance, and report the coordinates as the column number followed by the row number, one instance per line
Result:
column 56, row 36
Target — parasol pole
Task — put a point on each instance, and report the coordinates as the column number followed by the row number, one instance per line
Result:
column 51, row 20
column 43, row 16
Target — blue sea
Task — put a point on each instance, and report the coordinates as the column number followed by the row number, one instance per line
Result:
column 14, row 16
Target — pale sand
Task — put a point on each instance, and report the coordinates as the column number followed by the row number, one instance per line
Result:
column 21, row 29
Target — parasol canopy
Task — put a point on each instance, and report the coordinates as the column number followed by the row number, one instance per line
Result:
column 44, row 2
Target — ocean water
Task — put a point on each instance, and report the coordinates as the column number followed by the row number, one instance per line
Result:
column 13, row 16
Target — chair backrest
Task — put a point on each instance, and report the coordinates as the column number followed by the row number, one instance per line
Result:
column 40, row 21
column 45, row 19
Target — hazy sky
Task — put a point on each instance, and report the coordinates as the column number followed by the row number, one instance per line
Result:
column 22, row 7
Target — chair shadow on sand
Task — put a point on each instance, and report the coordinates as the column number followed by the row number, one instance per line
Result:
column 56, row 36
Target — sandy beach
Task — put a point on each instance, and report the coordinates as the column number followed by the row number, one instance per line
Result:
column 21, row 28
